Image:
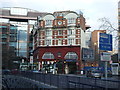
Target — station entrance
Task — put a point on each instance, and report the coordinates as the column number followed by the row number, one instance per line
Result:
column 70, row 67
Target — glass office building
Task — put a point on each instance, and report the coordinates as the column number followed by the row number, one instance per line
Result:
column 16, row 25
column 21, row 46
column 8, row 36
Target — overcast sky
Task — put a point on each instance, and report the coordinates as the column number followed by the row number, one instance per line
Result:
column 92, row 9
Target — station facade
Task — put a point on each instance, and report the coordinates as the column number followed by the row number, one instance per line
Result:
column 58, row 40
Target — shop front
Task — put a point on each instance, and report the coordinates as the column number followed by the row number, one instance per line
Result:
column 62, row 60
column 49, row 67
column 70, row 66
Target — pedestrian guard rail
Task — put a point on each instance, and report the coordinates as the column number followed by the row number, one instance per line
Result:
column 16, row 81
column 43, row 80
column 72, row 81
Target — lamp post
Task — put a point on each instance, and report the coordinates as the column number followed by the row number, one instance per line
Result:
column 95, row 51
column 18, row 41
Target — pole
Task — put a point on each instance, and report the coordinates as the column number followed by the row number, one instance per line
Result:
column 18, row 41
column 106, row 69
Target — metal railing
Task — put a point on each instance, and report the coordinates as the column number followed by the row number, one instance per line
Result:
column 4, row 84
column 71, row 81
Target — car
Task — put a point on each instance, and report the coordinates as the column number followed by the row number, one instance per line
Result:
column 94, row 74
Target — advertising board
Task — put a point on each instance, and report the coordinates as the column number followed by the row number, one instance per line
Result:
column 87, row 54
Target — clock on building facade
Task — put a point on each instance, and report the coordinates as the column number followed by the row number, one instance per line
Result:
column 59, row 22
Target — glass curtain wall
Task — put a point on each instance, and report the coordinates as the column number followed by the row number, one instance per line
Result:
column 22, row 28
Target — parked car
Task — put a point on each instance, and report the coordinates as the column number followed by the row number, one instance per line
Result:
column 94, row 73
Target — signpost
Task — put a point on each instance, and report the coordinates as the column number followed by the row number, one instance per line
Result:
column 22, row 60
column 105, row 56
column 31, row 61
column 105, row 44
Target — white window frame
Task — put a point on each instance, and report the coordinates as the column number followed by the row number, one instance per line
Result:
column 59, row 42
column 48, row 33
column 71, row 41
column 48, row 55
column 71, row 31
column 60, row 32
column 71, row 20
column 48, row 22
column 71, row 55
column 48, row 42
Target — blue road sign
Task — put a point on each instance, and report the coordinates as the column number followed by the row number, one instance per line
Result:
column 105, row 42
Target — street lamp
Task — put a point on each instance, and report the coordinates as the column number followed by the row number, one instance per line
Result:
column 95, row 51
column 95, row 44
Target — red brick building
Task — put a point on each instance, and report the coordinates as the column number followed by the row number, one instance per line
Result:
column 58, row 39
column 95, row 46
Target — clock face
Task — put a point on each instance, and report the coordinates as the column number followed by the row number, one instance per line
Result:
column 59, row 22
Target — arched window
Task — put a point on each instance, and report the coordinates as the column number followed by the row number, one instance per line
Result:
column 71, row 55
column 71, row 18
column 48, row 20
column 48, row 55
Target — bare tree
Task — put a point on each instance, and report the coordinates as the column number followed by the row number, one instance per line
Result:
column 107, row 25
column 110, row 28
